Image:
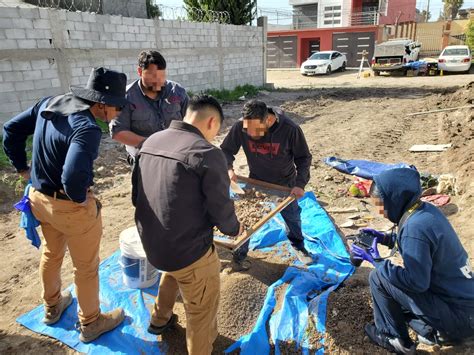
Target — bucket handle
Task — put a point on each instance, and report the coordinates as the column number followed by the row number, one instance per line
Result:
column 126, row 266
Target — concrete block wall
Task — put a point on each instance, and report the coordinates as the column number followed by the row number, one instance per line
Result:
column 44, row 51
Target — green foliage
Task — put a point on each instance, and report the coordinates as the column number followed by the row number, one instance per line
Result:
column 247, row 91
column 451, row 8
column 241, row 12
column 5, row 162
column 470, row 35
column 152, row 9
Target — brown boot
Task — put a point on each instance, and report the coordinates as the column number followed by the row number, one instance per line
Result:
column 53, row 314
column 105, row 322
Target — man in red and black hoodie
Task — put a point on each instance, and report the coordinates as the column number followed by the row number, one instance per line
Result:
column 277, row 153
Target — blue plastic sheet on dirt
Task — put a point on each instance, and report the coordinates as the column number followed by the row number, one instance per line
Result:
column 305, row 297
column 131, row 337
column 363, row 168
column 306, row 289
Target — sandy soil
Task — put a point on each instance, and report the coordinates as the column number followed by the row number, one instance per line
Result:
column 345, row 117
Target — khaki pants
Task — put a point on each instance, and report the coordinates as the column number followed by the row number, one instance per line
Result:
column 68, row 225
column 199, row 285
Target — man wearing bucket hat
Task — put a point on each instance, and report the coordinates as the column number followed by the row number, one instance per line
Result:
column 181, row 191
column 66, row 141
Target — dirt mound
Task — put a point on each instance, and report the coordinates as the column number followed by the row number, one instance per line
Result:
column 461, row 97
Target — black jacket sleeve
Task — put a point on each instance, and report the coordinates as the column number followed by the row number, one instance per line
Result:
column 302, row 158
column 15, row 134
column 215, row 187
column 232, row 143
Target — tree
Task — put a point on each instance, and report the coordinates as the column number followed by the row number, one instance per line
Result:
column 152, row 9
column 470, row 35
column 422, row 16
column 451, row 8
column 240, row 12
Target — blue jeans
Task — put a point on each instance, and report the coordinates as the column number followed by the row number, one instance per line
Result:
column 425, row 312
column 292, row 217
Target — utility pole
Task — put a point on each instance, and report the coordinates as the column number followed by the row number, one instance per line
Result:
column 427, row 11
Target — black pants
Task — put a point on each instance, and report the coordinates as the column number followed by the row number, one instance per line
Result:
column 292, row 217
column 425, row 312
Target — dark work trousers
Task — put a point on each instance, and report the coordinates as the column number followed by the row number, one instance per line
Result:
column 292, row 217
column 425, row 312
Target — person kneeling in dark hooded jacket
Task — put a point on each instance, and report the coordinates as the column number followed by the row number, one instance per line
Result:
column 433, row 292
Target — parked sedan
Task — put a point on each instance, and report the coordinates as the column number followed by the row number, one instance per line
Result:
column 455, row 58
column 324, row 63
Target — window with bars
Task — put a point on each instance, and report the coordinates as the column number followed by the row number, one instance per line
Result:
column 332, row 15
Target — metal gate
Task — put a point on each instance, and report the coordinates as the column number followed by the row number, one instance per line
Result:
column 281, row 52
column 352, row 44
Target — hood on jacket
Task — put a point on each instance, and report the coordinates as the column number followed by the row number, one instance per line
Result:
column 64, row 105
column 399, row 189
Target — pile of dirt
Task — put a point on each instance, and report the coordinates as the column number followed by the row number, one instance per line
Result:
column 446, row 99
column 348, row 310
column 252, row 207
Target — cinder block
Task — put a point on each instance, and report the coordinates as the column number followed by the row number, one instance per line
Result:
column 55, row 83
column 28, row 13
column 27, row 44
column 23, row 23
column 7, row 87
column 41, row 24
column 82, row 26
column 88, row 17
column 32, row 75
column 25, row 105
column 140, row 37
column 127, row 21
column 122, row 28
column 6, row 23
column 41, row 64
column 144, row 29
column 43, row 84
column 110, row 28
column 124, row 45
column 5, row 65
column 9, row 12
column 149, row 23
column 73, row 16
column 133, row 29
column 22, row 65
column 105, row 36
column 77, row 71
column 93, row 36
column 96, row 27
column 116, row 20
column 110, row 61
column 13, row 76
column 44, row 13
column 138, row 21
column 118, row 36
column 15, row 33
column 38, row 34
column 111, row 44
column 130, row 37
column 44, row 43
column 49, row 73
column 76, row 35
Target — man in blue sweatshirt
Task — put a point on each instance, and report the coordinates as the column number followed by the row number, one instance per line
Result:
column 276, row 152
column 433, row 292
column 66, row 142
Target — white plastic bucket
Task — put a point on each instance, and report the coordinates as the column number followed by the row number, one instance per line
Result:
column 137, row 272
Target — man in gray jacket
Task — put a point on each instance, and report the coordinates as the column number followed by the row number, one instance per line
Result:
column 181, row 191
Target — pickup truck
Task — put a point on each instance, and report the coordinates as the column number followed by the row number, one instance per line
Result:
column 390, row 56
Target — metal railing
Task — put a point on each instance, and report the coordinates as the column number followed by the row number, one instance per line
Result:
column 278, row 18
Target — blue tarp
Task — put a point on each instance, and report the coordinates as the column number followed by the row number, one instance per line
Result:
column 363, row 168
column 305, row 296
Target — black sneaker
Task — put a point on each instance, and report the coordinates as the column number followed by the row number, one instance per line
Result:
column 394, row 345
column 153, row 329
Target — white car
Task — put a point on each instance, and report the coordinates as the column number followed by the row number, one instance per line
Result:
column 324, row 63
column 455, row 58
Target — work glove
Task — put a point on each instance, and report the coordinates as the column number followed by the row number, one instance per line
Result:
column 384, row 238
column 371, row 254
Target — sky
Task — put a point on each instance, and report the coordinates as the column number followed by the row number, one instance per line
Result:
column 435, row 5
